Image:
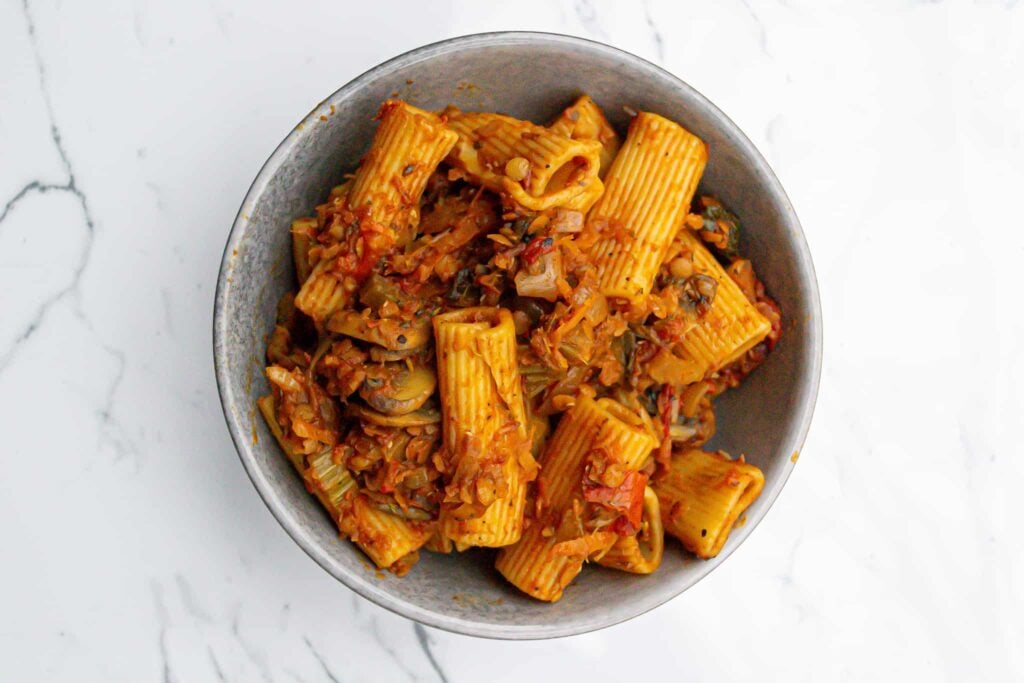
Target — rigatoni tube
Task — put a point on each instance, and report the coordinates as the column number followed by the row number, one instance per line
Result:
column 639, row 553
column 731, row 326
column 386, row 538
column 647, row 194
column 381, row 209
column 530, row 164
column 584, row 120
column 486, row 459
column 537, row 564
column 702, row 495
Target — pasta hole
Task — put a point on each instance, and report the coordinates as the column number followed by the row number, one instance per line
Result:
column 567, row 174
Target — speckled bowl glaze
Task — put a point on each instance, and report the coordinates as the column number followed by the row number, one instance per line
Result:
column 532, row 76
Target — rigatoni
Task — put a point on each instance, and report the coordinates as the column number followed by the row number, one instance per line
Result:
column 429, row 361
column 731, row 326
column 388, row 539
column 486, row 440
column 702, row 495
column 545, row 560
column 639, row 553
column 303, row 239
column 384, row 537
column 327, row 480
column 407, row 148
column 584, row 120
column 268, row 409
column 382, row 207
column 533, row 166
column 647, row 194
column 305, row 253
column 324, row 290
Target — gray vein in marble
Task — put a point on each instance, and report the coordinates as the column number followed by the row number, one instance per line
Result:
column 30, row 329
column 32, row 187
column 286, row 611
column 659, row 43
column 189, row 600
column 220, row 20
column 323, row 663
column 167, row 675
column 587, row 15
column 356, row 602
column 424, row 640
column 157, row 195
column 217, row 670
column 383, row 642
column 762, row 32
column 71, row 186
column 55, row 134
column 137, row 26
column 252, row 653
column 800, row 603
column 111, row 431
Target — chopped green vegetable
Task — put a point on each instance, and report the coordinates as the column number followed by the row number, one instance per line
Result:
column 721, row 230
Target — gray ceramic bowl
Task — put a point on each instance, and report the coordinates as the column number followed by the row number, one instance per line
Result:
column 533, row 76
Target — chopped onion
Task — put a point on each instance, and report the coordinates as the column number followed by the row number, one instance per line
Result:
column 543, row 285
column 567, row 221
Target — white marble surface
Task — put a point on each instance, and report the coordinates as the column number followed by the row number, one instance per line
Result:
column 134, row 546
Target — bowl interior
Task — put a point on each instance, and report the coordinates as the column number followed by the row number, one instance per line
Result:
column 532, row 76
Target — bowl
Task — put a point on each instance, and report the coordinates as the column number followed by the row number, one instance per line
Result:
column 532, row 76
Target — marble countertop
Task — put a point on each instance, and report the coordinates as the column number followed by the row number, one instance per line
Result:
column 135, row 547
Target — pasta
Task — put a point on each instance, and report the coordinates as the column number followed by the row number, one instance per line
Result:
column 593, row 457
column 380, row 210
column 390, row 541
column 386, row 538
column 303, row 230
column 649, row 188
column 485, row 433
column 702, row 496
column 641, row 551
column 490, row 346
column 534, row 166
column 731, row 326
column 584, row 120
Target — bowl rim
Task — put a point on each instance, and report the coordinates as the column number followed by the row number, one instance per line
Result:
column 366, row 587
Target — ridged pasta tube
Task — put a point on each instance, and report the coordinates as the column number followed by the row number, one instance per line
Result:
column 584, row 120
column 530, row 164
column 303, row 231
column 731, row 326
column 647, row 194
column 534, row 565
column 483, row 423
column 384, row 537
column 639, row 553
column 383, row 201
column 388, row 539
column 702, row 495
